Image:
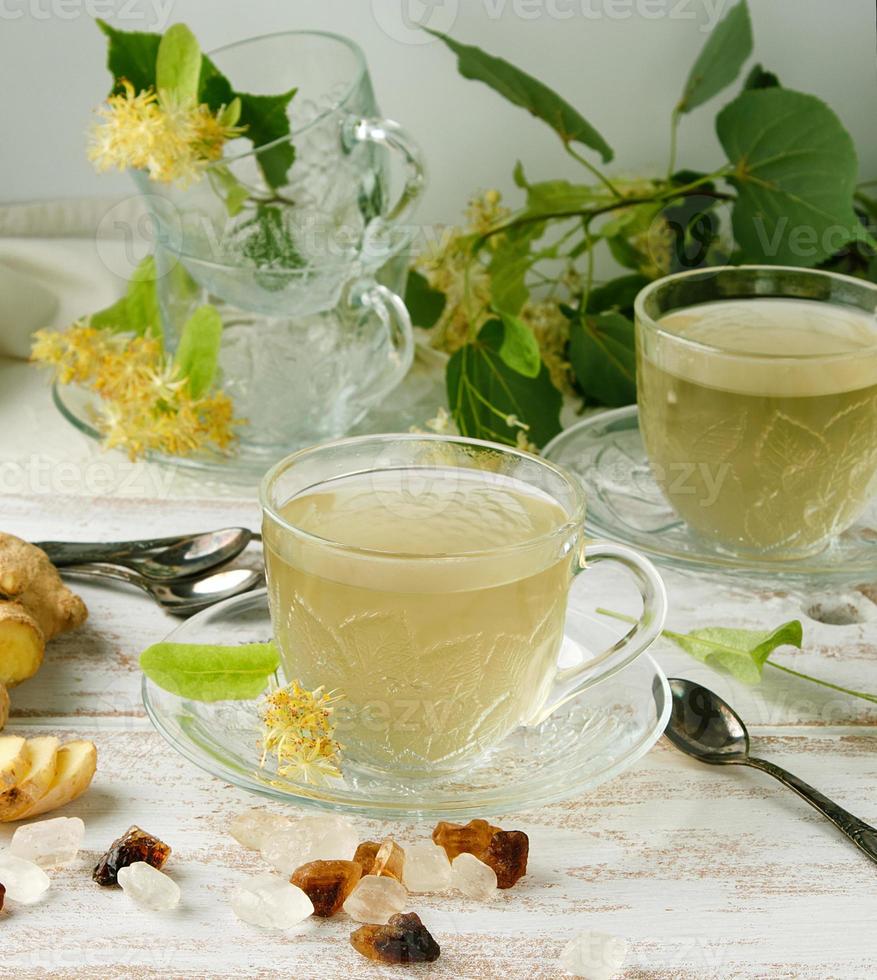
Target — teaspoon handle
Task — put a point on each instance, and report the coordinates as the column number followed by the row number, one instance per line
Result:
column 863, row 835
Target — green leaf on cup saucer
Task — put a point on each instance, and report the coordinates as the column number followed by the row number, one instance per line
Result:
column 137, row 311
column 742, row 653
column 528, row 93
column 483, row 391
column 795, row 174
column 198, row 352
column 178, row 65
column 603, row 357
column 425, row 304
column 720, row 60
column 206, row 672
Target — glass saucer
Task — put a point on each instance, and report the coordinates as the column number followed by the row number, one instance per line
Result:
column 583, row 744
column 626, row 505
column 415, row 400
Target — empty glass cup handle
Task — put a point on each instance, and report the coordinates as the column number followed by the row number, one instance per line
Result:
column 372, row 297
column 386, row 133
column 573, row 681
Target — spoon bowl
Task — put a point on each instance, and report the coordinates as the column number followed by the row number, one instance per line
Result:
column 704, row 726
column 184, row 597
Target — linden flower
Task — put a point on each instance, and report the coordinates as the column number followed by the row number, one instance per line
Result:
column 297, row 728
column 145, row 404
column 171, row 142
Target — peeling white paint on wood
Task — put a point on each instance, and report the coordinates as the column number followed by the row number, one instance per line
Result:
column 709, row 873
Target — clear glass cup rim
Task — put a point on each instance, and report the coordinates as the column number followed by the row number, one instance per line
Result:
column 573, row 524
column 359, row 73
column 643, row 318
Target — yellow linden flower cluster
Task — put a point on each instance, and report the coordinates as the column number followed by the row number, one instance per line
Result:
column 297, row 728
column 171, row 142
column 145, row 402
column 448, row 268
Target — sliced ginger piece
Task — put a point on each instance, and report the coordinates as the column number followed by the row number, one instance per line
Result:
column 21, row 644
column 76, row 765
column 42, row 759
column 13, row 761
column 4, row 706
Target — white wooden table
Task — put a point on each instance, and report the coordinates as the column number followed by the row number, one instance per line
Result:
column 706, row 872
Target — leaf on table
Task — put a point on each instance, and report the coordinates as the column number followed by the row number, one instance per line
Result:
column 720, row 59
column 205, row 672
column 602, row 352
column 795, row 175
column 483, row 391
column 198, row 351
column 425, row 304
column 137, row 311
column 741, row 653
column 178, row 65
column 528, row 93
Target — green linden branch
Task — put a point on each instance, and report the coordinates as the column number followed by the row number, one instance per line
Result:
column 703, row 641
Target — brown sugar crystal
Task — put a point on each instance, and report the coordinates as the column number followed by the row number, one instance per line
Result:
column 404, row 939
column 386, row 858
column 2, row 896
column 134, row 845
column 471, row 838
column 327, row 883
column 366, row 852
column 506, row 851
column 507, row 854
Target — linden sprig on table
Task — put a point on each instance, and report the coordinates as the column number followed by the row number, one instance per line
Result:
column 513, row 295
column 170, row 114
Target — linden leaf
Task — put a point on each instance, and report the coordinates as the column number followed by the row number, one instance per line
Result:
column 519, row 348
column 137, row 311
column 424, row 303
column 528, row 93
column 207, row 672
column 198, row 352
column 178, row 65
column 603, row 357
column 795, row 173
column 483, row 391
column 720, row 60
column 742, row 653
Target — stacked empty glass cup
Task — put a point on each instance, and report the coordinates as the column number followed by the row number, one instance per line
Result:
column 306, row 272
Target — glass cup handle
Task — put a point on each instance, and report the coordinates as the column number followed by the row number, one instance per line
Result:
column 371, row 297
column 573, row 681
column 391, row 136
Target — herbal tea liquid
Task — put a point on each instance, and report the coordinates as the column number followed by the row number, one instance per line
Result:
column 435, row 656
column 764, row 454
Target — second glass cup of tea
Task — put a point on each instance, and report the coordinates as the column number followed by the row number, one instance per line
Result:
column 425, row 580
column 757, row 391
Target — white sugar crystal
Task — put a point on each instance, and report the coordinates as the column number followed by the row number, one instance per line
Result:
column 23, row 880
column 473, row 877
column 322, row 837
column 49, row 843
column 375, row 899
column 253, row 828
column 271, row 902
column 149, row 887
column 427, row 868
column 594, row 955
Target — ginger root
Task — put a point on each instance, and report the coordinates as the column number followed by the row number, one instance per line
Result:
column 35, row 606
column 42, row 775
column 4, row 706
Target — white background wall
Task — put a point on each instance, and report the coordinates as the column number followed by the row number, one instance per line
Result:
column 621, row 62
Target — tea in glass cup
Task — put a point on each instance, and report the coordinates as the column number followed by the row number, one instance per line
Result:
column 757, row 392
column 425, row 580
